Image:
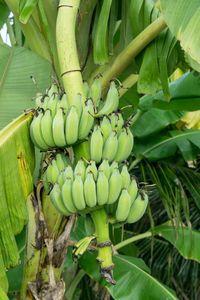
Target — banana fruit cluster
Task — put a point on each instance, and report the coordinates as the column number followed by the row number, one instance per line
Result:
column 112, row 139
column 56, row 125
column 84, row 188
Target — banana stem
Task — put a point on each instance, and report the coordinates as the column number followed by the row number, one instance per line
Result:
column 104, row 258
column 131, row 51
column 135, row 162
column 133, row 239
column 127, row 84
column 67, row 50
column 11, row 33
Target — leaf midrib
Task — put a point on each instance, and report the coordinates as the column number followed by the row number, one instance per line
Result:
column 6, row 68
column 170, row 139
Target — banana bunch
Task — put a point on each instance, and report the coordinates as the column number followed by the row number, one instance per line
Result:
column 84, row 188
column 111, row 139
column 56, row 125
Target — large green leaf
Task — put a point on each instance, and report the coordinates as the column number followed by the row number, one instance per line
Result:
column 158, row 147
column 133, row 280
column 182, row 17
column 16, row 87
column 185, row 95
column 16, row 168
column 183, row 238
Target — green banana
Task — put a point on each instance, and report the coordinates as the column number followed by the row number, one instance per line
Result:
column 92, row 167
column 44, row 102
column 112, row 101
column 115, row 185
column 125, row 177
column 114, row 120
column 125, row 145
column 46, row 128
column 52, row 104
column 133, row 189
column 60, row 161
column 56, row 198
column 38, row 99
column 95, row 91
column 138, row 207
column 113, row 166
column 102, row 188
column 85, row 89
column 69, row 172
column 78, row 104
column 120, row 123
column 52, row 173
column 106, row 128
column 59, row 128
column 61, row 180
column 110, row 147
column 86, row 120
column 123, row 206
column 96, row 144
column 62, row 103
column 71, row 126
column 67, row 195
column 80, row 168
column 78, row 193
column 104, row 166
column 53, row 90
column 90, row 190
column 36, row 132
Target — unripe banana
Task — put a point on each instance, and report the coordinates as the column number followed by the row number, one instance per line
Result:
column 85, row 89
column 110, row 147
column 78, row 104
column 52, row 104
column 104, row 166
column 95, row 91
column 87, row 120
column 60, row 161
column 90, row 190
column 53, row 90
column 36, row 132
column 133, row 189
column 61, row 180
column 44, row 102
column 112, row 101
column 63, row 104
column 120, row 123
column 115, row 185
column 46, row 128
column 71, row 126
column 46, row 184
column 67, row 195
column 138, row 208
column 114, row 120
column 80, row 168
column 125, row 177
column 52, row 173
column 69, row 172
column 96, row 144
column 59, row 128
column 106, row 128
column 56, row 198
column 123, row 206
column 102, row 188
column 78, row 193
column 113, row 166
column 125, row 145
column 92, row 167
column 38, row 99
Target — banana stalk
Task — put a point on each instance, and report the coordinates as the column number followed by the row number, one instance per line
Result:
column 104, row 258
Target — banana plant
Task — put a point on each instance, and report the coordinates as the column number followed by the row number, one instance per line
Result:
column 124, row 52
